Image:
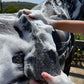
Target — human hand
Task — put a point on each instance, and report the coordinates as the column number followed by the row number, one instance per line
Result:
column 60, row 79
column 37, row 14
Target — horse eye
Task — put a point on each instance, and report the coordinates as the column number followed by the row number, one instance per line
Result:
column 26, row 24
column 24, row 19
column 18, row 58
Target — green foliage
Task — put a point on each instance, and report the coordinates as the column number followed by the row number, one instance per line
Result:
column 79, row 37
column 79, row 50
column 0, row 10
column 10, row 9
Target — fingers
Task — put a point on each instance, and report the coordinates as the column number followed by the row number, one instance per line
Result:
column 36, row 15
column 31, row 16
column 47, row 77
column 27, row 12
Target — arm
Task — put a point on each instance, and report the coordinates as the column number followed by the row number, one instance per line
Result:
column 74, row 26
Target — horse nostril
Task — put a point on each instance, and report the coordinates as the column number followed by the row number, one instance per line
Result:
column 52, row 55
column 29, row 73
column 18, row 57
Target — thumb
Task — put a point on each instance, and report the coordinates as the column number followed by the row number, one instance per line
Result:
column 47, row 77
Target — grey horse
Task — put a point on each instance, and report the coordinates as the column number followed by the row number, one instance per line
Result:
column 29, row 47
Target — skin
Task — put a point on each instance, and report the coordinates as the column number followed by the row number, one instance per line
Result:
column 74, row 26
column 65, row 25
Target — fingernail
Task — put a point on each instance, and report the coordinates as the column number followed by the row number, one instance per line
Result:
column 31, row 17
column 43, row 74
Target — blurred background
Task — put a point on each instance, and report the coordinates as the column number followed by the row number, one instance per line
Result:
column 12, row 6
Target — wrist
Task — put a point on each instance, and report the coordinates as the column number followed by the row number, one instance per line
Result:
column 52, row 22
